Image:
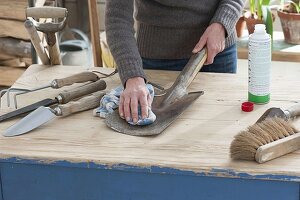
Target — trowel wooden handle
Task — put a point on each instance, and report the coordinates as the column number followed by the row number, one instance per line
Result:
column 293, row 111
column 46, row 12
column 36, row 42
column 77, row 78
column 278, row 148
column 75, row 93
column 85, row 103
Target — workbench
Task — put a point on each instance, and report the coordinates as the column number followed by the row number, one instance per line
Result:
column 79, row 158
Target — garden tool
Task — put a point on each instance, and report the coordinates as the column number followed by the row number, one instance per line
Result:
column 49, row 28
column 62, row 98
column 44, row 114
column 168, row 106
column 36, row 42
column 55, row 84
column 287, row 114
column 272, row 136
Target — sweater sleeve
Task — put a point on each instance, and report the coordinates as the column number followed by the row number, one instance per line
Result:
column 228, row 13
column 119, row 24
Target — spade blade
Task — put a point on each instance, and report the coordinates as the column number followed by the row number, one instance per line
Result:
column 165, row 115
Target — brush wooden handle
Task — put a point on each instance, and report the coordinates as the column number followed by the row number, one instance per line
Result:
column 75, row 93
column 186, row 76
column 293, row 111
column 85, row 103
column 46, row 12
column 36, row 42
column 77, row 78
column 278, row 148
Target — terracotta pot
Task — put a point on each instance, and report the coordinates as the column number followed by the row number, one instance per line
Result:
column 251, row 21
column 240, row 26
column 290, row 23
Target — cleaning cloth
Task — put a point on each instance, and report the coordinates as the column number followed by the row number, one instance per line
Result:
column 110, row 102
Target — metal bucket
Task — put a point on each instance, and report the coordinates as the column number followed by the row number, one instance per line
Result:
column 76, row 52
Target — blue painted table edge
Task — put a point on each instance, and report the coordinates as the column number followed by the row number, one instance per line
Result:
column 214, row 172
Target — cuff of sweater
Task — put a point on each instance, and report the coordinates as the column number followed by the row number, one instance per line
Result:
column 227, row 17
column 129, row 69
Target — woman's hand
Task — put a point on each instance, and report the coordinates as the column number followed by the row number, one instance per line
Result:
column 135, row 93
column 214, row 40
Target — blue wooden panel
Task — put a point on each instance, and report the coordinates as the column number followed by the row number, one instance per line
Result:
column 1, row 194
column 45, row 182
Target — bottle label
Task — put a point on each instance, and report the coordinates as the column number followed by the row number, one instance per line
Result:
column 259, row 61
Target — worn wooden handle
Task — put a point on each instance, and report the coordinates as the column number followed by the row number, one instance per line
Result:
column 70, row 95
column 77, row 78
column 293, row 111
column 85, row 103
column 54, row 54
column 186, row 76
column 46, row 12
column 278, row 148
column 36, row 42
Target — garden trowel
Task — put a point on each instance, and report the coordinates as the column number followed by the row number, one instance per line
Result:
column 287, row 114
column 167, row 107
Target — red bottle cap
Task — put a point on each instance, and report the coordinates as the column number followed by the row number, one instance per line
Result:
column 247, row 106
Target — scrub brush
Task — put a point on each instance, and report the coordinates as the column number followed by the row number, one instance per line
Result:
column 271, row 138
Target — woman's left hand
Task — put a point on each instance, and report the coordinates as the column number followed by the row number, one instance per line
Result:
column 214, row 40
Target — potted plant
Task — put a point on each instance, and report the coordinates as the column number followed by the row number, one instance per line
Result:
column 259, row 13
column 240, row 25
column 289, row 15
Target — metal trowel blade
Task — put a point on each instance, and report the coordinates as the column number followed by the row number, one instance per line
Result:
column 30, row 122
column 272, row 112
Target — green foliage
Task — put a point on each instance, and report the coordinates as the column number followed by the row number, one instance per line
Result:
column 262, row 10
column 268, row 19
column 296, row 5
column 256, row 7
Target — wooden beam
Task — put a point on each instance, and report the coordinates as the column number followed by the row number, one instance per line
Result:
column 8, row 75
column 13, row 28
column 14, row 47
column 95, row 33
column 13, row 9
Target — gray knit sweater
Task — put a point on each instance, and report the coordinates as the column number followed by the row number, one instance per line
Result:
column 167, row 29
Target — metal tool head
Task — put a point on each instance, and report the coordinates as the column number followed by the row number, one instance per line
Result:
column 15, row 91
column 272, row 112
column 27, row 109
column 165, row 115
column 168, row 106
column 30, row 122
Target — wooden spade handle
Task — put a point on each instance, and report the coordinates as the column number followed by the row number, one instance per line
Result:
column 54, row 53
column 77, row 78
column 278, row 148
column 36, row 42
column 70, row 95
column 186, row 76
column 293, row 111
column 46, row 12
column 85, row 103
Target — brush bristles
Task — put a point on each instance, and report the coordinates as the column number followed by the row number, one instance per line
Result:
column 246, row 143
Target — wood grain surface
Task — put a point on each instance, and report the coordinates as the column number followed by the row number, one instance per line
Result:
column 198, row 141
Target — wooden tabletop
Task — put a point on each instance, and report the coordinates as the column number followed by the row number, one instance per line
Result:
column 198, row 141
